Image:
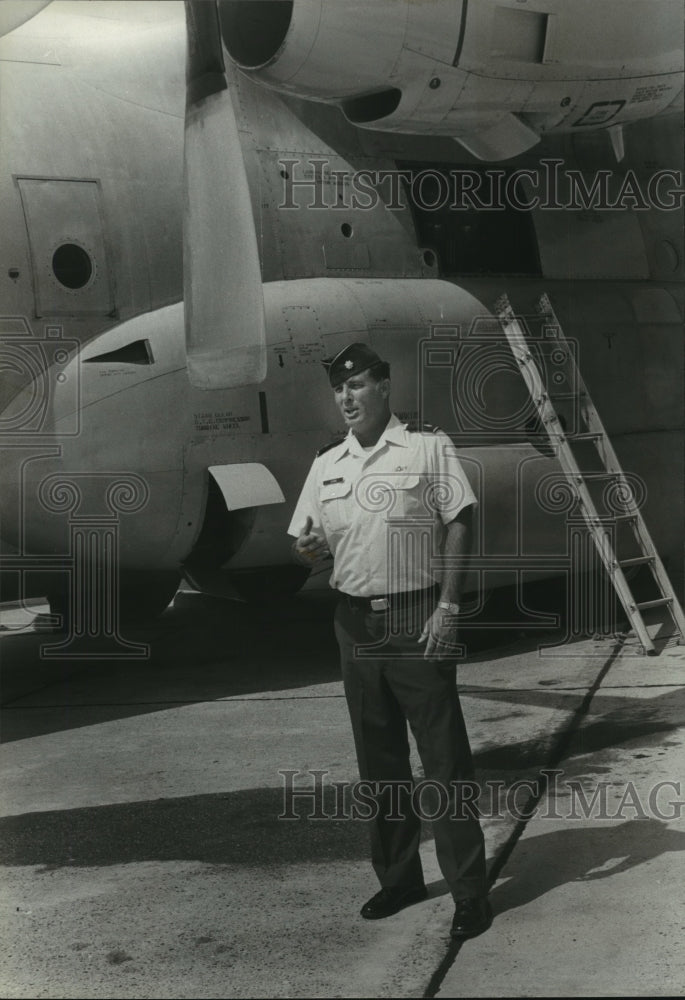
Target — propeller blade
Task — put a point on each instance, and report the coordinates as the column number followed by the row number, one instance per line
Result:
column 222, row 284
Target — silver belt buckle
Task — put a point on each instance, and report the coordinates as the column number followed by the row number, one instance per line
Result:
column 380, row 604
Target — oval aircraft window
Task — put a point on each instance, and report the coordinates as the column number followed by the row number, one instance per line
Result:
column 72, row 266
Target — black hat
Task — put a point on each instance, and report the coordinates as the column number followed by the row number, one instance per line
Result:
column 352, row 360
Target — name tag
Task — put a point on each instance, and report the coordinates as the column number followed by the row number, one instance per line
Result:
column 329, row 482
column 335, row 489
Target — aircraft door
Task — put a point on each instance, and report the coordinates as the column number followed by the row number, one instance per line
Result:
column 64, row 221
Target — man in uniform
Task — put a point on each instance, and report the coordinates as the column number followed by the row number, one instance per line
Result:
column 384, row 503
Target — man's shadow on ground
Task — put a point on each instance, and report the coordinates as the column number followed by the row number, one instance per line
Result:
column 542, row 863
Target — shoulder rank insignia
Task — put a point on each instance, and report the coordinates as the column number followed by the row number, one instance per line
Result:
column 331, row 444
column 414, row 426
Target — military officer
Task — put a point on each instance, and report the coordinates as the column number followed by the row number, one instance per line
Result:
column 385, row 502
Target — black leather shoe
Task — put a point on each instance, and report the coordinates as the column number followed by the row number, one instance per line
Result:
column 471, row 917
column 389, row 901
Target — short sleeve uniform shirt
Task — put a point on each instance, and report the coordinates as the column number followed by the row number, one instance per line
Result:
column 382, row 510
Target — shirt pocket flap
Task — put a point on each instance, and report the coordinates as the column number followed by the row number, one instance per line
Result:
column 403, row 482
column 334, row 491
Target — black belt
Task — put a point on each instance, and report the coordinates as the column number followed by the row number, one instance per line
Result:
column 386, row 602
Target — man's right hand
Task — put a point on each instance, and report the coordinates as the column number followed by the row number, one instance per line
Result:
column 310, row 548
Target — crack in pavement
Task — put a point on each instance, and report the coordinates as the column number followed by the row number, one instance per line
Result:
column 557, row 753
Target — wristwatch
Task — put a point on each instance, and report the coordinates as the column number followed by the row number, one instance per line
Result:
column 449, row 606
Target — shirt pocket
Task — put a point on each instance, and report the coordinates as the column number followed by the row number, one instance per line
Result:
column 334, row 500
column 405, row 496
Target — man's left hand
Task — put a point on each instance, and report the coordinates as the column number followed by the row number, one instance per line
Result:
column 441, row 632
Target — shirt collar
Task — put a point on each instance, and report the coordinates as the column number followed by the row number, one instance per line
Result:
column 395, row 433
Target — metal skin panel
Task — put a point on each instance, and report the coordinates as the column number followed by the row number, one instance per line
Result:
column 588, row 40
column 16, row 12
column 66, row 213
column 614, row 62
column 95, row 101
column 80, row 104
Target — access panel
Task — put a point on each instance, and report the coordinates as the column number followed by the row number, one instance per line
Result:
column 71, row 272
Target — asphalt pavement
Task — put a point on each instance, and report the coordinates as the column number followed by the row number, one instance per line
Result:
column 180, row 826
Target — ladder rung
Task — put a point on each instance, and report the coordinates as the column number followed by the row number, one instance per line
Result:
column 573, row 388
column 594, row 476
column 654, row 604
column 542, row 395
column 587, row 436
column 636, row 561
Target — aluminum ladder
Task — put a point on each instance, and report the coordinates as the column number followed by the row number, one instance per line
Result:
column 601, row 528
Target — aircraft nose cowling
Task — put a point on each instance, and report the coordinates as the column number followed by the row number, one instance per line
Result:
column 33, row 375
column 90, row 457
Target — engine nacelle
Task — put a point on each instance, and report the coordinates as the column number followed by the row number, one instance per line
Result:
column 495, row 74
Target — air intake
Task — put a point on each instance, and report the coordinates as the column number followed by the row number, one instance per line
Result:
column 254, row 30
column 372, row 107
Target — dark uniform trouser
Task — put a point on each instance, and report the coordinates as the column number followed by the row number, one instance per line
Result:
column 384, row 692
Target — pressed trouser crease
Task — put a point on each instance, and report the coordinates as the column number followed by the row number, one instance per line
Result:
column 384, row 691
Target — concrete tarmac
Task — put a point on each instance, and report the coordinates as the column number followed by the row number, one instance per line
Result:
column 146, row 850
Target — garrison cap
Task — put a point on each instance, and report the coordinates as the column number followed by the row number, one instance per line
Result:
column 352, row 360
